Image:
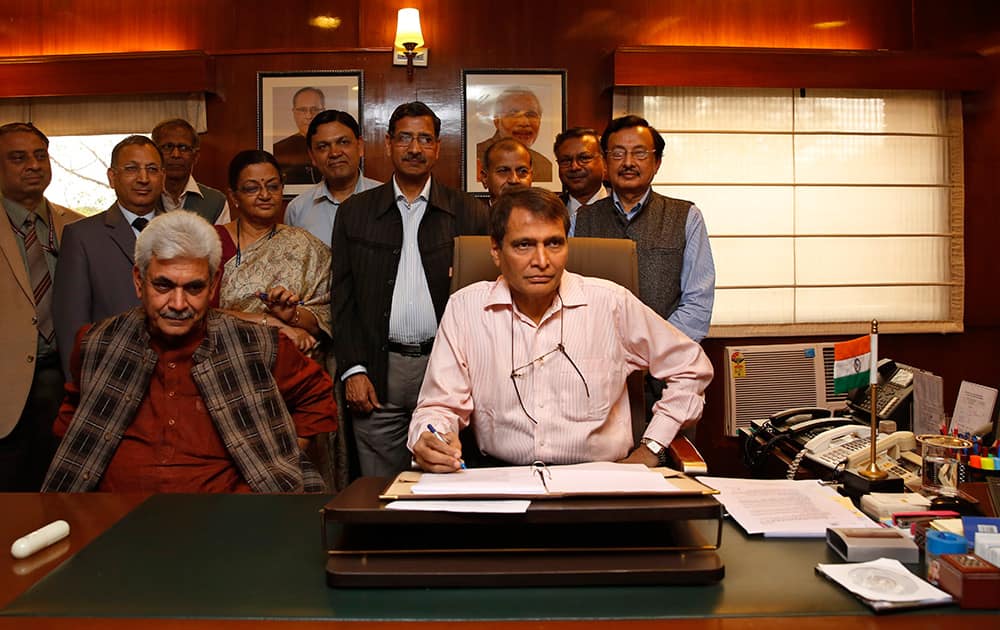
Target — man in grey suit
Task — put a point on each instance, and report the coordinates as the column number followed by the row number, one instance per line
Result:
column 94, row 277
column 29, row 365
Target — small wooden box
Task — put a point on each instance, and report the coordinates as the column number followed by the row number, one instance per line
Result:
column 974, row 582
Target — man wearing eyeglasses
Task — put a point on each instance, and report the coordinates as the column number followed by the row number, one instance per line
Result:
column 505, row 163
column 676, row 270
column 94, row 277
column 292, row 152
column 517, row 114
column 581, row 169
column 336, row 149
column 29, row 252
column 180, row 145
column 537, row 360
column 392, row 251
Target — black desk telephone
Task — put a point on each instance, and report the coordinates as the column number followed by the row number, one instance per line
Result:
column 895, row 395
column 832, row 439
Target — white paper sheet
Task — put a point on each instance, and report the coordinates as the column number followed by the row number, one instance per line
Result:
column 502, row 506
column 928, row 403
column 783, row 508
column 883, row 580
column 974, row 409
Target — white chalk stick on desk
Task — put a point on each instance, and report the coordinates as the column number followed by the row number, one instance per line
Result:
column 39, row 539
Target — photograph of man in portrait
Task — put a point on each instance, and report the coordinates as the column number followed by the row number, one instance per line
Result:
column 292, row 152
column 287, row 104
column 528, row 106
column 517, row 113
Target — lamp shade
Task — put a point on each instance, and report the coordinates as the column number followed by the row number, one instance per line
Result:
column 408, row 28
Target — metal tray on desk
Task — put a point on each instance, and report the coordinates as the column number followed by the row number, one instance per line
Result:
column 615, row 540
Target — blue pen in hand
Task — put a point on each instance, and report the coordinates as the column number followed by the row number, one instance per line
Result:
column 430, row 427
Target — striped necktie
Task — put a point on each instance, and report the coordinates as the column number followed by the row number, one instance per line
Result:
column 41, row 281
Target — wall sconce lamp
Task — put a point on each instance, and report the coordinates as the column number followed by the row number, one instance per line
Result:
column 408, row 49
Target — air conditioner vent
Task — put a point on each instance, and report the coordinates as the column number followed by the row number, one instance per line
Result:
column 761, row 380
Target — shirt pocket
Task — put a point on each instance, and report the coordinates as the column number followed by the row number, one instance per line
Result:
column 593, row 400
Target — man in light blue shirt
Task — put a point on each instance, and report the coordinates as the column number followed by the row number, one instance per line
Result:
column 336, row 149
column 676, row 269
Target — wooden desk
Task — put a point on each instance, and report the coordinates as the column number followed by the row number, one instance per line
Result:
column 88, row 514
column 242, row 561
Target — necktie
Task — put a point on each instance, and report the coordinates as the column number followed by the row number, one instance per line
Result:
column 140, row 223
column 41, row 281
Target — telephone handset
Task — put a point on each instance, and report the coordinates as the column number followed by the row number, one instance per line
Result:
column 801, row 419
column 850, row 445
column 895, row 386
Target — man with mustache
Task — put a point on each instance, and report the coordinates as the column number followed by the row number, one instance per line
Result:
column 392, row 252
column 676, row 270
column 336, row 149
column 581, row 169
column 93, row 280
column 174, row 396
column 29, row 251
column 517, row 114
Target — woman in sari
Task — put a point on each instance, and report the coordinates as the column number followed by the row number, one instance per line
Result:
column 273, row 274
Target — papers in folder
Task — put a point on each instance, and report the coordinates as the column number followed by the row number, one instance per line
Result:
column 597, row 478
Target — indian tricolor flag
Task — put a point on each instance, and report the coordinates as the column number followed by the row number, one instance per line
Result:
column 853, row 361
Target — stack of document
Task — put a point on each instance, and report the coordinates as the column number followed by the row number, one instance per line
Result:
column 784, row 508
column 597, row 478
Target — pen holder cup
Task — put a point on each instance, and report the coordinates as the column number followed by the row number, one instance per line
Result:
column 941, row 460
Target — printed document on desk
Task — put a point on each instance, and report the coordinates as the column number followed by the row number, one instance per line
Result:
column 783, row 508
column 591, row 479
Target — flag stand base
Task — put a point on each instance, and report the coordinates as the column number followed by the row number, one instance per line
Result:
column 855, row 483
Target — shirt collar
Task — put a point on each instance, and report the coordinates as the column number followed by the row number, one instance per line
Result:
column 570, row 290
column 19, row 213
column 635, row 209
column 322, row 191
column 192, row 186
column 425, row 194
column 131, row 216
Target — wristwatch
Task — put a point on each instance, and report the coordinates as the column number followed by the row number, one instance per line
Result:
column 654, row 447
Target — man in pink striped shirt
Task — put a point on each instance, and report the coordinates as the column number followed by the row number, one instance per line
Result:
column 537, row 360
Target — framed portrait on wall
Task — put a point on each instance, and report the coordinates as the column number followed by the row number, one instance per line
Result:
column 529, row 105
column 287, row 102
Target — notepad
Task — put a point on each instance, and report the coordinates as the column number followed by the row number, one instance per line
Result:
column 590, row 479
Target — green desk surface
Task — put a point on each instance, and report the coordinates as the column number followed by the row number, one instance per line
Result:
column 260, row 557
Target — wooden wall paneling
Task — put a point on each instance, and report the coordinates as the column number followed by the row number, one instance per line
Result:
column 101, row 26
column 82, row 75
column 982, row 190
column 20, row 28
column 959, row 24
column 745, row 67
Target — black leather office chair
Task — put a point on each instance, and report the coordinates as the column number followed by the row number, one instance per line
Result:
column 613, row 259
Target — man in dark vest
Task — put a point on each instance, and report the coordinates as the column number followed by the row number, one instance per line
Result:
column 173, row 396
column 676, row 270
column 179, row 143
